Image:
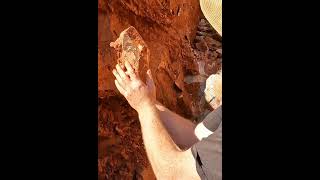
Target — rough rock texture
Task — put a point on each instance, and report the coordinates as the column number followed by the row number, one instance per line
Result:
column 167, row 28
column 184, row 51
column 121, row 154
column 130, row 47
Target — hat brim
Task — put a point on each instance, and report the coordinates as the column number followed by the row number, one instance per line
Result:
column 212, row 10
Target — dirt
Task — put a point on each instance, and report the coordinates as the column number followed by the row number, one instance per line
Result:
column 184, row 51
column 121, row 154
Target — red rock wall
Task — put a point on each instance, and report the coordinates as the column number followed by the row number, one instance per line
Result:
column 167, row 27
column 180, row 60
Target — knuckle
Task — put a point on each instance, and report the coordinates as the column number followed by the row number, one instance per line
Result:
column 126, row 79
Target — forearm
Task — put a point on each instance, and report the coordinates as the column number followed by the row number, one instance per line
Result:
column 167, row 160
column 161, row 150
column 180, row 129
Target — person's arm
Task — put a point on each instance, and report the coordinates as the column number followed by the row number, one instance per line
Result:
column 167, row 160
column 181, row 130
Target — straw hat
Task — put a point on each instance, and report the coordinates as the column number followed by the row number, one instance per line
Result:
column 212, row 10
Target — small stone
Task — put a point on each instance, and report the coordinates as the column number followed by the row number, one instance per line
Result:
column 212, row 55
column 201, row 46
column 212, row 42
column 119, row 131
column 198, row 38
column 124, row 154
column 202, row 22
column 204, row 28
column 200, row 33
column 219, row 51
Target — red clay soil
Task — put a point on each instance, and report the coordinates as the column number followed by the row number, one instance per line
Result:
column 184, row 51
column 121, row 151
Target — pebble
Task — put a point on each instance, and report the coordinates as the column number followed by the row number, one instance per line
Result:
column 219, row 51
column 212, row 42
column 200, row 33
column 202, row 46
column 204, row 28
column 203, row 22
column 198, row 38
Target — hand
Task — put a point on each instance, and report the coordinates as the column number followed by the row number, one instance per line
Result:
column 132, row 88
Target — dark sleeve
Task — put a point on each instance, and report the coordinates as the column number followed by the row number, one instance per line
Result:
column 208, row 156
column 213, row 119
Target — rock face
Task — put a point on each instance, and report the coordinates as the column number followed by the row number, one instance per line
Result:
column 183, row 50
column 121, row 154
column 167, row 27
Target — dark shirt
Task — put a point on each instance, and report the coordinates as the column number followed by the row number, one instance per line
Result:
column 208, row 151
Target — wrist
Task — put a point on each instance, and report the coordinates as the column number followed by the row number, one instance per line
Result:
column 144, row 105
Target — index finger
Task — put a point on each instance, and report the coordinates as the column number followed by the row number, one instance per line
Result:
column 121, row 72
column 130, row 70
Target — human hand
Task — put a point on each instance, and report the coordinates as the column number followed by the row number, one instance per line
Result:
column 132, row 88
